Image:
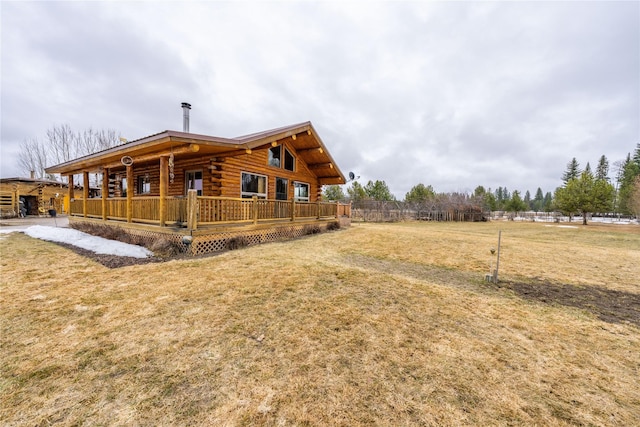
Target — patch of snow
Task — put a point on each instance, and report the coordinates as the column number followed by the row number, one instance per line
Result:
column 82, row 240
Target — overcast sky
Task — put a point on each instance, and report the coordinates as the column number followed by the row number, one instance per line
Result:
column 449, row 94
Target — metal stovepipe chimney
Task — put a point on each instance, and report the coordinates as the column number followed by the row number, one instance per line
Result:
column 185, row 116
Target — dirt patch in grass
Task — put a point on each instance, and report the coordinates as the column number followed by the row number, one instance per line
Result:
column 609, row 305
column 111, row 261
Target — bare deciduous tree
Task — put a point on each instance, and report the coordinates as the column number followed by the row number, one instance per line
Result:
column 33, row 158
column 61, row 145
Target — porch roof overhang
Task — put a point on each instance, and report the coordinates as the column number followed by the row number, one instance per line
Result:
column 302, row 137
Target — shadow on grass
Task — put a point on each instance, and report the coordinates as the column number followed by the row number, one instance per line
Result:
column 609, row 305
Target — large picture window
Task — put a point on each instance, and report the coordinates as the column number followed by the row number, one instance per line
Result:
column 282, row 188
column 193, row 181
column 254, row 185
column 301, row 191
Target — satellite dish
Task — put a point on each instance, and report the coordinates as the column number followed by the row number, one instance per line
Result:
column 126, row 160
column 352, row 176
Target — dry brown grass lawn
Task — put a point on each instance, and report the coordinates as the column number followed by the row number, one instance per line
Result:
column 374, row 325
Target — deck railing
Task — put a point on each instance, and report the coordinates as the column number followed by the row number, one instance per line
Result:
column 205, row 210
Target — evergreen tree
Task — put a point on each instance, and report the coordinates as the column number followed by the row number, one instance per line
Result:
column 547, row 204
column 602, row 171
column 572, row 172
column 499, row 198
column 488, row 198
column 479, row 191
column 538, row 200
column 634, row 200
column 585, row 195
column 378, row 191
column 629, row 172
column 515, row 203
column 527, row 200
column 420, row 193
column 333, row 192
column 502, row 197
column 356, row 192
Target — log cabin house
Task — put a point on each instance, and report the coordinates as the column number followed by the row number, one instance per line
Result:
column 32, row 196
column 203, row 191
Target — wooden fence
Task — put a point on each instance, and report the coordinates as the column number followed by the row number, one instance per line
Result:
column 380, row 211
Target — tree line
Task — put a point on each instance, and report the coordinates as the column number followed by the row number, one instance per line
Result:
column 583, row 191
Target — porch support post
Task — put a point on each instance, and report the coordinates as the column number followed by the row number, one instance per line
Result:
column 85, row 192
column 129, row 193
column 70, row 189
column 192, row 210
column 164, row 186
column 105, row 192
column 70, row 192
column 255, row 209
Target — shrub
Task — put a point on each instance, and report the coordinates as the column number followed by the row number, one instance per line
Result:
column 311, row 229
column 236, row 243
column 335, row 225
column 165, row 248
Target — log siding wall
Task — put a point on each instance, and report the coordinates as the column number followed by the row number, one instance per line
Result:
column 221, row 176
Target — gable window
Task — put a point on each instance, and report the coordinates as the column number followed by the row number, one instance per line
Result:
column 301, row 191
column 289, row 161
column 193, row 181
column 144, row 185
column 282, row 188
column 253, row 185
column 274, row 156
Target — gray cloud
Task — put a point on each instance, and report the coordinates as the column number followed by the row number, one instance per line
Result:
column 451, row 94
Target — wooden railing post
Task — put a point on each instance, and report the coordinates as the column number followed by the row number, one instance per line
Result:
column 293, row 209
column 164, row 186
column 105, row 192
column 337, row 209
column 318, row 207
column 192, row 210
column 255, row 209
column 85, row 193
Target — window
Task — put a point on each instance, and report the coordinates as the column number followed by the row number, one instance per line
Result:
column 123, row 187
column 301, row 191
column 274, row 156
column 144, row 186
column 289, row 161
column 193, row 181
column 282, row 188
column 254, row 185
